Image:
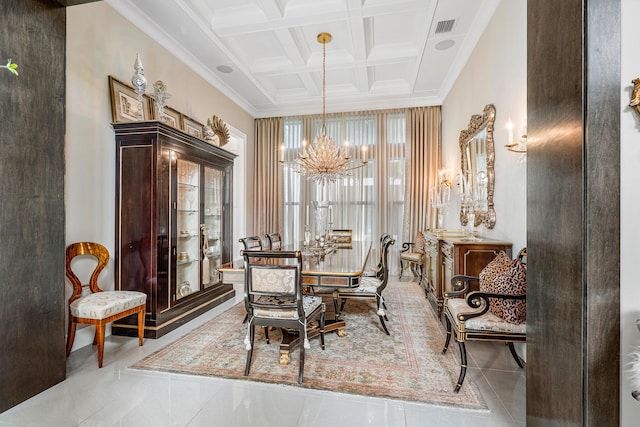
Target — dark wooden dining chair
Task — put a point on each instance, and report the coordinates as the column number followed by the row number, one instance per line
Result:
column 273, row 297
column 251, row 243
column 370, row 287
column 98, row 307
column 275, row 241
column 373, row 271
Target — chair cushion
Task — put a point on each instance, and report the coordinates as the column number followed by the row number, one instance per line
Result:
column 101, row 305
column 309, row 303
column 368, row 285
column 486, row 322
column 411, row 256
column 509, row 277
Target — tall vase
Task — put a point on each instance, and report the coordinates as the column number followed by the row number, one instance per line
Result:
column 320, row 216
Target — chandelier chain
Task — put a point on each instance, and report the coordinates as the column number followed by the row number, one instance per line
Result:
column 324, row 84
column 323, row 160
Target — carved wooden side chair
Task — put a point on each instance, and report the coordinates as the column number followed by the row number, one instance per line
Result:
column 99, row 307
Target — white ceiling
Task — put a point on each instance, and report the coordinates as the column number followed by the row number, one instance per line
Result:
column 384, row 53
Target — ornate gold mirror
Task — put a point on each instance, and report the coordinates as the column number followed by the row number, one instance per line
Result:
column 477, row 179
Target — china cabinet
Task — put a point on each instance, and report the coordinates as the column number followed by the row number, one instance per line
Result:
column 173, row 223
column 449, row 253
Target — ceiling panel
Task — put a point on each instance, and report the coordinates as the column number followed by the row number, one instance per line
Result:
column 384, row 53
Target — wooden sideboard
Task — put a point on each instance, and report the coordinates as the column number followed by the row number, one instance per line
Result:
column 448, row 253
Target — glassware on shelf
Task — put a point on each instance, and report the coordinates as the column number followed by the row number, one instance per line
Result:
column 185, row 288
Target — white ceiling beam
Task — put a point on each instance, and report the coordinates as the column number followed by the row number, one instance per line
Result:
column 359, row 44
column 424, row 37
column 298, row 53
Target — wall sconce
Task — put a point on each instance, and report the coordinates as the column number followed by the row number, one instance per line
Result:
column 521, row 145
column 444, row 177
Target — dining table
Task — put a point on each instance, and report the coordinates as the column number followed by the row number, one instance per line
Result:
column 325, row 270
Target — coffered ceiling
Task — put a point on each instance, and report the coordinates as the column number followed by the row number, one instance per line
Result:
column 264, row 54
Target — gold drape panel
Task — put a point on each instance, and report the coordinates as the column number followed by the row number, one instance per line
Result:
column 268, row 201
column 424, row 141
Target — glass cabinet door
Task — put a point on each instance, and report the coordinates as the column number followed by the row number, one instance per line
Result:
column 188, row 252
column 212, row 228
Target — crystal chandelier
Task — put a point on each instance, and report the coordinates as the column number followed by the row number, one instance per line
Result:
column 324, row 160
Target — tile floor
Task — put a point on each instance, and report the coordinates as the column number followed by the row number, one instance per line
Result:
column 118, row 396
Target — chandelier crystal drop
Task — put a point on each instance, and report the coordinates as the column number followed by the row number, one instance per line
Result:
column 324, row 160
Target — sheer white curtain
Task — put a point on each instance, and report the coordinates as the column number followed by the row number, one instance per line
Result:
column 371, row 200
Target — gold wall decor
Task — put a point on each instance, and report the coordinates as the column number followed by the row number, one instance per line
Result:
column 216, row 131
column 635, row 95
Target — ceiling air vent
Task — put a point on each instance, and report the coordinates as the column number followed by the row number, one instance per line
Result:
column 445, row 26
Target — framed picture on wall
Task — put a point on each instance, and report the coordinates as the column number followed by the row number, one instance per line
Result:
column 192, row 127
column 125, row 104
column 170, row 117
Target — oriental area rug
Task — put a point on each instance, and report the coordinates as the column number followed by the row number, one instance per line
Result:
column 407, row 365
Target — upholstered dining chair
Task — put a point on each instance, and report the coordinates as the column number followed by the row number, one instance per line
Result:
column 412, row 253
column 273, row 297
column 275, row 241
column 497, row 312
column 251, row 243
column 370, row 287
column 99, row 307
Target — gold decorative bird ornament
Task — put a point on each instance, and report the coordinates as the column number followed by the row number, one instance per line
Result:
column 635, row 95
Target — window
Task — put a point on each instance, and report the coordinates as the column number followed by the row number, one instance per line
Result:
column 371, row 200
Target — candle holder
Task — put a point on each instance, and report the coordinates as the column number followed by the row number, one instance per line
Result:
column 440, row 198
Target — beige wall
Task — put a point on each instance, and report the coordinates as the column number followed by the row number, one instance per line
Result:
column 100, row 42
column 496, row 73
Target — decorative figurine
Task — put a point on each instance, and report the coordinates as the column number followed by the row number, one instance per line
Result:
column 216, row 132
column 139, row 82
column 160, row 96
